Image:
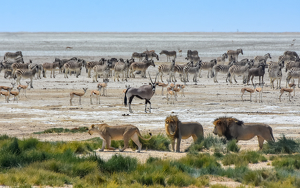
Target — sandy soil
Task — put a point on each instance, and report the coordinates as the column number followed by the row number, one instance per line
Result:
column 47, row 106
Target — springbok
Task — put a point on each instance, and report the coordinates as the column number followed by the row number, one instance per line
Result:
column 16, row 94
column 104, row 86
column 162, row 85
column 289, row 90
column 24, row 87
column 250, row 90
column 143, row 92
column 6, row 94
column 95, row 93
column 77, row 93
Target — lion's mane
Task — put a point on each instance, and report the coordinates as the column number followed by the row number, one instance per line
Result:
column 225, row 123
column 169, row 120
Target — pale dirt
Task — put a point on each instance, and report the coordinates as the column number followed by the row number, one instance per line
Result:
column 47, row 106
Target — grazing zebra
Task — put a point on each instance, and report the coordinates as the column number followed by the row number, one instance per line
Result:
column 73, row 65
column 222, row 69
column 122, row 68
column 239, row 70
column 16, row 66
column 259, row 58
column 233, row 54
column 139, row 56
column 11, row 55
column 294, row 75
column 168, row 54
column 169, row 69
column 191, row 53
column 209, row 67
column 292, row 64
column 26, row 73
column 192, row 70
column 50, row 67
column 140, row 66
column 291, row 53
column 102, row 69
column 222, row 59
column 275, row 73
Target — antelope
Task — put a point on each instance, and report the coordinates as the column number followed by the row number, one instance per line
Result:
column 16, row 94
column 143, row 92
column 7, row 88
column 97, row 94
column 168, row 54
column 77, row 93
column 170, row 91
column 289, row 90
column 179, row 52
column 233, row 54
column 162, row 85
column 24, row 87
column 140, row 66
column 250, row 90
column 181, row 86
column 259, row 90
column 6, row 94
column 104, row 86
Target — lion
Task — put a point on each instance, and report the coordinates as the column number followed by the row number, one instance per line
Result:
column 182, row 130
column 122, row 132
column 233, row 128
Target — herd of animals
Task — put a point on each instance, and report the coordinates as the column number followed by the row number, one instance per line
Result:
column 15, row 68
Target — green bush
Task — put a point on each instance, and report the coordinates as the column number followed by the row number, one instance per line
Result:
column 206, row 143
column 283, row 145
column 243, row 158
column 232, row 146
column 118, row 163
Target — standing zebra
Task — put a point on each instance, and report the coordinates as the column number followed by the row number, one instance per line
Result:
column 259, row 58
column 191, row 70
column 275, row 73
column 102, row 69
column 122, row 68
column 168, row 54
column 91, row 64
column 179, row 70
column 140, row 66
column 11, row 55
column 169, row 69
column 209, row 67
column 222, row 59
column 26, row 73
column 73, row 65
column 222, row 69
column 233, row 54
column 239, row 70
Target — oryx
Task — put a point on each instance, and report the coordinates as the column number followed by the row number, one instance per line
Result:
column 143, row 92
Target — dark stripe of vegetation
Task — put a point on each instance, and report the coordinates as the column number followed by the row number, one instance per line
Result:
column 62, row 130
column 31, row 162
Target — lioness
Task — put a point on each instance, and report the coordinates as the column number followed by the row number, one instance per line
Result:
column 122, row 132
column 182, row 130
column 233, row 128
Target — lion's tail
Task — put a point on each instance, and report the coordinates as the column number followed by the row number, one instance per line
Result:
column 139, row 134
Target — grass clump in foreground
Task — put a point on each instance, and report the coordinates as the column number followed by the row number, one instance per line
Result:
column 243, row 158
column 282, row 145
column 62, row 130
column 32, row 162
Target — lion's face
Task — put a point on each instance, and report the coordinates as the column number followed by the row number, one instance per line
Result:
column 219, row 128
column 172, row 127
column 91, row 129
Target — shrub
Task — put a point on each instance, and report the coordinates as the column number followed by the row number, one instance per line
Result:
column 283, row 145
column 118, row 163
column 243, row 158
column 206, row 143
column 232, row 146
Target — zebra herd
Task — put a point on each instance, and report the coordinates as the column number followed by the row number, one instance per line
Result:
column 16, row 68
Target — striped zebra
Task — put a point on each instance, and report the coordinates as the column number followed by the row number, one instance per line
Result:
column 259, row 58
column 286, row 58
column 193, row 58
column 291, row 53
column 151, row 55
column 139, row 56
column 26, row 73
column 222, row 59
column 50, row 67
column 209, row 67
column 239, row 70
column 102, row 69
column 140, row 66
column 89, row 65
column 292, row 64
column 168, row 54
column 191, row 53
column 222, row 69
column 179, row 69
column 191, row 70
column 11, row 55
column 275, row 73
column 293, row 75
column 168, row 69
column 233, row 54
column 73, row 65
column 122, row 67
column 16, row 66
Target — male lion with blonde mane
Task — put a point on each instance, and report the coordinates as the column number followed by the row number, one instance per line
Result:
column 233, row 128
column 122, row 132
column 182, row 130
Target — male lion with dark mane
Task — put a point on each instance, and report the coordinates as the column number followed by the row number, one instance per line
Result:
column 182, row 130
column 122, row 132
column 233, row 128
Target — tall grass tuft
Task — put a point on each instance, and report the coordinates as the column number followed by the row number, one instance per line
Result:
column 206, row 143
column 283, row 145
column 232, row 146
column 118, row 163
column 243, row 158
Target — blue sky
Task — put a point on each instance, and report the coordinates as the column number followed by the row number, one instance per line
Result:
column 150, row 16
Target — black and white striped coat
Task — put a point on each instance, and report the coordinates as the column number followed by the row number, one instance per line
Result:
column 208, row 66
column 221, row 69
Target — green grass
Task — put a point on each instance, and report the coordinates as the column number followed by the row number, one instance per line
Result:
column 243, row 159
column 62, row 130
column 282, row 145
column 209, row 142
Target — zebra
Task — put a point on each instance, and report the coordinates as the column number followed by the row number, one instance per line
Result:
column 140, row 66
column 73, row 65
column 16, row 66
column 275, row 73
column 26, row 73
column 191, row 53
column 293, row 74
column 102, row 69
column 239, row 70
column 193, row 58
column 122, row 68
column 222, row 69
column 258, row 58
column 192, row 70
column 140, row 56
column 291, row 53
column 89, row 65
column 151, row 55
column 209, row 67
column 286, row 58
column 179, row 70
column 169, row 69
column 292, row 64
column 11, row 55
column 168, row 54
column 50, row 67
column 233, row 54
column 63, row 62
column 222, row 59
